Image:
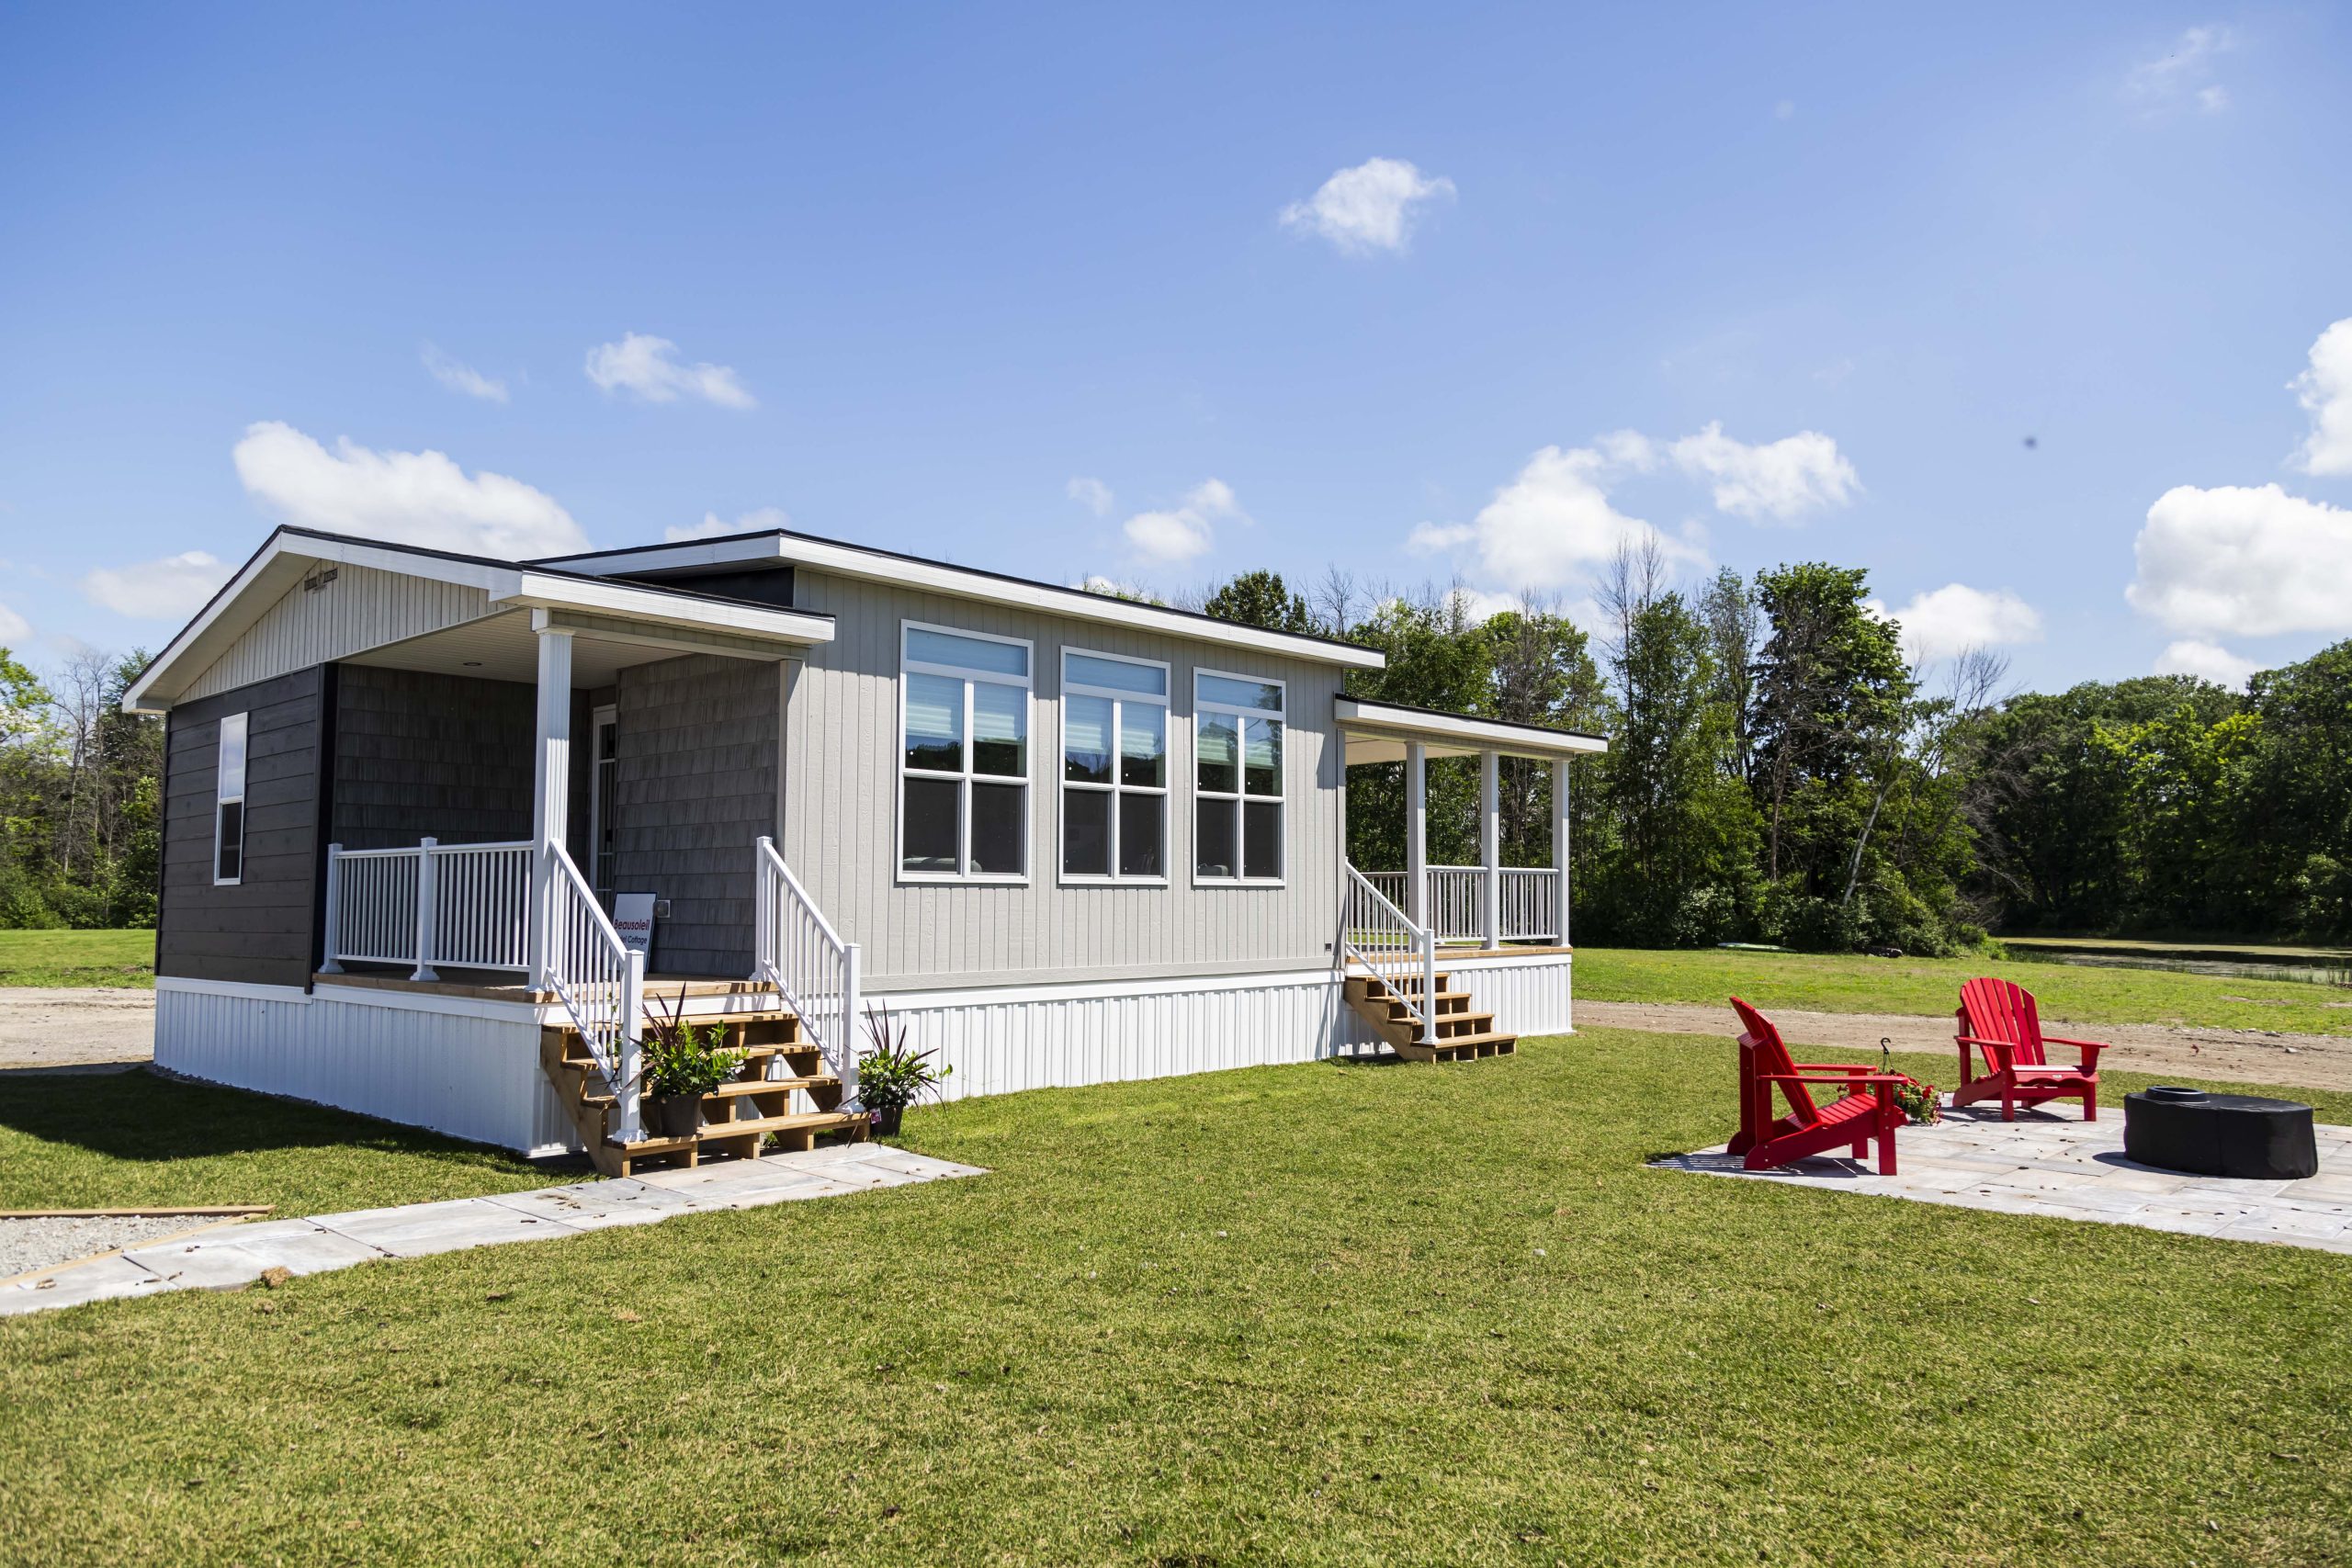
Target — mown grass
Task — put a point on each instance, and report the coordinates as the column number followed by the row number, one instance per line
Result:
column 1812, row 982
column 118, row 1140
column 77, row 958
column 1322, row 1313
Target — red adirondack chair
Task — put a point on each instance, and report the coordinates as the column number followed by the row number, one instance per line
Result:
column 1866, row 1110
column 1999, row 1017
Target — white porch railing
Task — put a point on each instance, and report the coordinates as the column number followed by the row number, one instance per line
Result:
column 462, row 904
column 601, row 982
column 1390, row 885
column 1531, row 905
column 798, row 952
column 1456, row 907
column 1457, row 903
column 1376, row 934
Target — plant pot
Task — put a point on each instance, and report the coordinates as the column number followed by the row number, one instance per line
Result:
column 674, row 1116
column 887, row 1119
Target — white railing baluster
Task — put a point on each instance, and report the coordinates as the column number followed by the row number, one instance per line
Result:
column 1402, row 955
column 431, row 906
column 798, row 952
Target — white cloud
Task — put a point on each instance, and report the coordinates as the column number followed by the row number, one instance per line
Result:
column 14, row 627
column 2244, row 561
column 459, row 377
column 2184, row 72
column 1093, row 494
column 1372, row 206
column 714, row 526
column 1956, row 617
column 2208, row 660
column 171, row 588
column 414, row 498
column 1554, row 526
column 1184, row 532
column 1781, row 479
column 2326, row 391
column 649, row 368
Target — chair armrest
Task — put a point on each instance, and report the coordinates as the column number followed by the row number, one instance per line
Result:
column 1844, row 1080
column 2089, row 1048
column 2002, row 1050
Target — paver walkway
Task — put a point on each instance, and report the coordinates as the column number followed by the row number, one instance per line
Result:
column 2053, row 1163
column 236, row 1255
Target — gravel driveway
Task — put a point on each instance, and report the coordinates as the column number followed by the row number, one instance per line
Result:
column 28, row 1245
column 69, row 1027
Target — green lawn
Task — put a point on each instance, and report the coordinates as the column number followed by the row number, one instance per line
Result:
column 77, row 958
column 118, row 1140
column 1812, row 982
column 1321, row 1314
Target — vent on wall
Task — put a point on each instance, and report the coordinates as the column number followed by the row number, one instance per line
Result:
column 319, row 579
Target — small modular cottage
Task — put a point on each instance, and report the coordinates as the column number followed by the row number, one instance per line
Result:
column 1067, row 838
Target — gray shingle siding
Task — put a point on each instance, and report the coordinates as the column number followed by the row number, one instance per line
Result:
column 418, row 753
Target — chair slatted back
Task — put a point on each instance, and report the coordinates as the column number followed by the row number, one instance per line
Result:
column 1771, row 1056
column 2002, row 1011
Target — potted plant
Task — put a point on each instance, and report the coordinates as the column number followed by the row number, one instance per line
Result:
column 892, row 1075
column 1918, row 1100
column 681, row 1063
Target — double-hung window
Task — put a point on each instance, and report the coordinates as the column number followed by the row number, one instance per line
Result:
column 1114, row 769
column 228, row 804
column 964, row 756
column 1238, row 775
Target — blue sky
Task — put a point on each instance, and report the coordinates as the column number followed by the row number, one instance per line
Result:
column 1431, row 292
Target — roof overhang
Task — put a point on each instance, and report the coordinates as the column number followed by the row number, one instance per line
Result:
column 290, row 554
column 1380, row 733
column 782, row 547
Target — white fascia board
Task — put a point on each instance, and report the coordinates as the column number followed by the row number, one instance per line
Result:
column 1076, row 604
column 1411, row 723
column 539, row 590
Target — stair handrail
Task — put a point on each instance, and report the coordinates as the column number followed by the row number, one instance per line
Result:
column 600, row 980
column 804, row 961
column 1390, row 943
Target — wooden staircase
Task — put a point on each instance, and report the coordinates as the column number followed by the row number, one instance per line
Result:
column 1462, row 1035
column 740, row 1119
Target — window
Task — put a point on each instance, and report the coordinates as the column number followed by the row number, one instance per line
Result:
column 1114, row 769
column 1238, row 774
column 228, row 804
column 964, row 756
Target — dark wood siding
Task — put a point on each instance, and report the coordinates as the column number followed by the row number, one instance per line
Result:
column 696, row 768
column 260, row 930
column 418, row 753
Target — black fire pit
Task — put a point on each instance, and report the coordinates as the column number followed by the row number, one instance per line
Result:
column 2240, row 1135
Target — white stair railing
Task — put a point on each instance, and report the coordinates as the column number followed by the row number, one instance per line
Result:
column 798, row 952
column 600, row 980
column 1381, row 937
column 466, row 906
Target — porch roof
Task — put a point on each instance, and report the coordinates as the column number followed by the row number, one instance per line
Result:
column 1379, row 732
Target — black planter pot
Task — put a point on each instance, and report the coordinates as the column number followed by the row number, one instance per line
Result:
column 674, row 1116
column 886, row 1120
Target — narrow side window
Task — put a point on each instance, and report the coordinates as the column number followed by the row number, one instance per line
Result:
column 228, row 804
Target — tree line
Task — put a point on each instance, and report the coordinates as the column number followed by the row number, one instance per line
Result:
column 1776, row 772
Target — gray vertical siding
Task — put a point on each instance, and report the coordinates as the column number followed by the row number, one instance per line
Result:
column 840, row 797
column 261, row 929
column 362, row 608
column 697, row 784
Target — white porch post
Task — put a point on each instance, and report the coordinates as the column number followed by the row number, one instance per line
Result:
column 1417, row 833
column 551, row 780
column 331, row 939
column 1490, row 845
column 428, row 905
column 1560, row 847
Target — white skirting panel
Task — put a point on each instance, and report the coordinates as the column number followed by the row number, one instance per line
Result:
column 1527, row 996
column 471, row 1072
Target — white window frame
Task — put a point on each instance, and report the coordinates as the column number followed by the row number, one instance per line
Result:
column 963, row 874
column 1281, row 798
column 1115, row 789
column 221, row 797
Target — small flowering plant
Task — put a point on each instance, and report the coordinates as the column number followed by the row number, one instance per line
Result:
column 1920, row 1102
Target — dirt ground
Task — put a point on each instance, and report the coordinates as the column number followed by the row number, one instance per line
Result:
column 2241, row 1056
column 72, row 1027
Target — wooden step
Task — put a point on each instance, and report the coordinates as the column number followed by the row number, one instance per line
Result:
column 736, row 1088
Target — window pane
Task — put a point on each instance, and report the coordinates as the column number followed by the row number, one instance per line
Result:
column 1263, row 694
column 1000, row 730
column 1263, row 762
column 230, row 865
column 929, row 831
column 1261, row 826
column 935, row 723
column 1213, row 838
column 1086, row 739
column 997, row 832
column 966, row 652
column 1141, row 820
column 1219, row 750
column 1143, row 744
column 231, row 782
column 1086, row 832
column 1118, row 675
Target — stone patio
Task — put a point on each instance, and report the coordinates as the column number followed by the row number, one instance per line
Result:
column 234, row 1256
column 2055, row 1164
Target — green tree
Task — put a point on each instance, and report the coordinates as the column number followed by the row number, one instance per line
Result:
column 1262, row 599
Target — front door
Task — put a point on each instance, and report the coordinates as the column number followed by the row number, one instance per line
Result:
column 604, row 725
